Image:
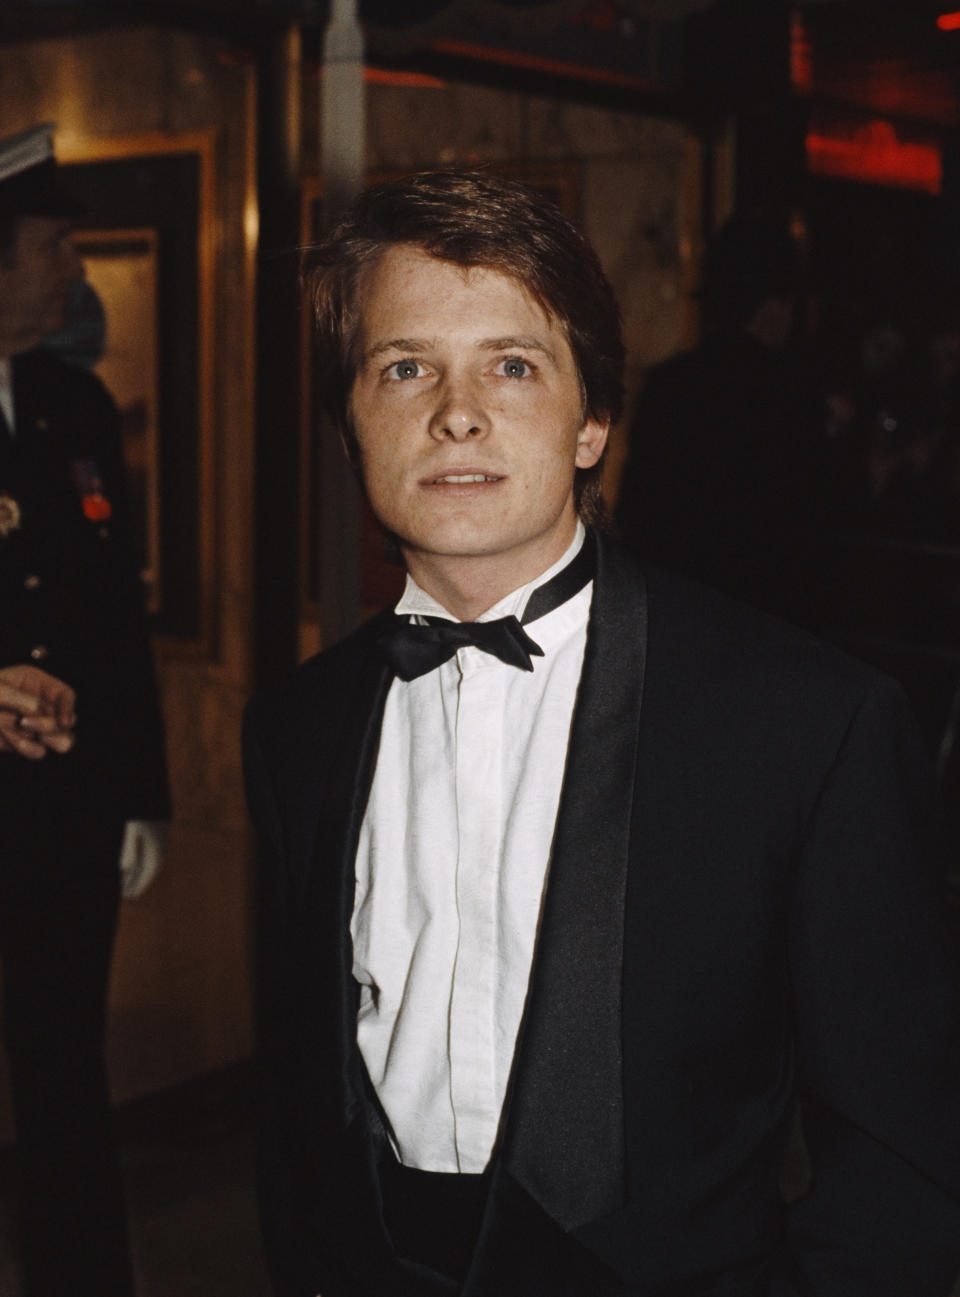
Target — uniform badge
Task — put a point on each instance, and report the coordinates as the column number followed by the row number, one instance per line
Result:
column 86, row 478
column 9, row 515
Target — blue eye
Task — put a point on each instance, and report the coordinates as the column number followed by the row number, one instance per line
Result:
column 404, row 369
column 514, row 367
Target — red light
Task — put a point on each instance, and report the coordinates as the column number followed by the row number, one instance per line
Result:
column 875, row 155
column 949, row 22
column 801, row 55
column 393, row 77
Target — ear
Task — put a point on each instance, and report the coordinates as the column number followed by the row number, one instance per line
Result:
column 351, row 451
column 348, row 440
column 591, row 440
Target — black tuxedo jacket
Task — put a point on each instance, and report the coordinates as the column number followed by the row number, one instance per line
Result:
column 741, row 915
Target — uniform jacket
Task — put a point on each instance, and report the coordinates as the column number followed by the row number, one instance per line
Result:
column 741, row 914
column 71, row 594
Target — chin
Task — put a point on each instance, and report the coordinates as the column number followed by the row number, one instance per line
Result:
column 462, row 539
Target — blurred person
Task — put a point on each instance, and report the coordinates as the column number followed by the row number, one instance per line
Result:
column 72, row 605
column 907, row 429
column 724, row 475
column 888, row 437
column 576, row 878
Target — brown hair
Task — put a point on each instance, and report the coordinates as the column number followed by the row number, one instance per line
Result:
column 471, row 219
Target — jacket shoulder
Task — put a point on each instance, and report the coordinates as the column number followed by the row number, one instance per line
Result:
column 701, row 640
column 58, row 377
column 318, row 690
column 80, row 414
column 710, row 655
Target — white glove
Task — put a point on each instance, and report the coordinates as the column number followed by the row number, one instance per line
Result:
column 141, row 855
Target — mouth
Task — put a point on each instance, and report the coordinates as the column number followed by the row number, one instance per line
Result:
column 467, row 478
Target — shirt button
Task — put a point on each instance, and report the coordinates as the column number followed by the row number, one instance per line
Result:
column 32, row 582
column 39, row 652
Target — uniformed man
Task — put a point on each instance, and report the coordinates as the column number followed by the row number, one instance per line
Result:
column 73, row 605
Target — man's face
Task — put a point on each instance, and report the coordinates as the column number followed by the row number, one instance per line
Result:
column 468, row 414
column 35, row 282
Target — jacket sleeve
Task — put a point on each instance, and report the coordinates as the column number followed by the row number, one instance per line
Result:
column 876, row 1012
column 297, row 1264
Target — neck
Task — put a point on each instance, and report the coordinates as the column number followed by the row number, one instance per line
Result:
column 468, row 586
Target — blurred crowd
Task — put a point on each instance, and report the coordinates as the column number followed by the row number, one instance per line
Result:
column 811, row 471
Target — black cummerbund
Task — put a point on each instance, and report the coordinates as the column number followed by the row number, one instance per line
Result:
column 433, row 1217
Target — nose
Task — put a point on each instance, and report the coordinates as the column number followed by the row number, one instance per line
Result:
column 460, row 412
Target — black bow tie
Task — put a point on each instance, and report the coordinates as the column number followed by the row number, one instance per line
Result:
column 414, row 650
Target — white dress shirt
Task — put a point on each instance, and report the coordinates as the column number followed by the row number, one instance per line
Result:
column 451, row 866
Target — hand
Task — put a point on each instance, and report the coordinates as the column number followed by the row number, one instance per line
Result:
column 141, row 855
column 37, row 712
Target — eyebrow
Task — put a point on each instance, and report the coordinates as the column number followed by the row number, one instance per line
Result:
column 518, row 344
column 415, row 346
column 411, row 345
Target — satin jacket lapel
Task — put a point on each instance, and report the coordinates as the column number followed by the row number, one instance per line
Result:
column 563, row 1138
column 328, row 748
column 341, row 817
column 327, row 751
column 353, row 1213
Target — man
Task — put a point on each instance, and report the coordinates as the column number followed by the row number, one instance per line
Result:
column 726, row 476
column 72, row 605
column 551, row 947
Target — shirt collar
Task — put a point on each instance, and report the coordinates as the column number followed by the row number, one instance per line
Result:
column 416, row 602
column 6, row 391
